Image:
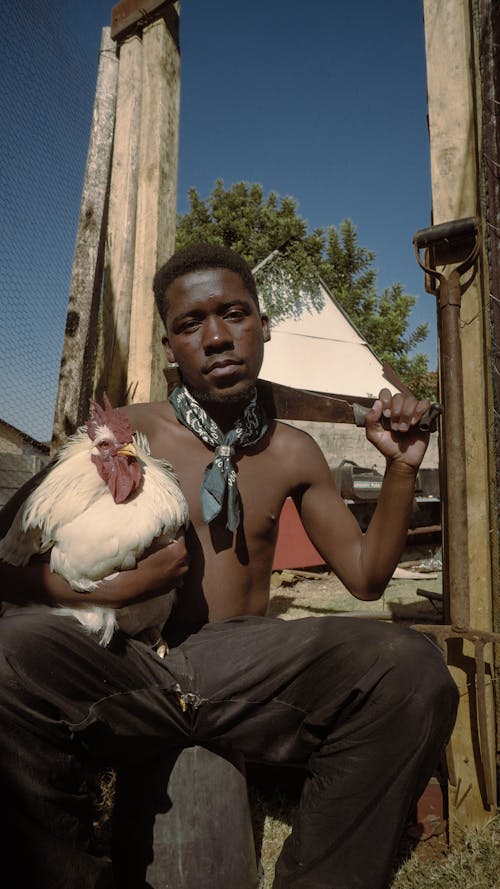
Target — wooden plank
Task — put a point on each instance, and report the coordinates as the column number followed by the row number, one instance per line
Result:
column 77, row 363
column 131, row 15
column 111, row 373
column 156, row 207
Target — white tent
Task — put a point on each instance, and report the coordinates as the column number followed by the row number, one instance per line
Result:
column 324, row 352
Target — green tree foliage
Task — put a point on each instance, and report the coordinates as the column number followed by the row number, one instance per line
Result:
column 382, row 318
column 288, row 262
column 254, row 226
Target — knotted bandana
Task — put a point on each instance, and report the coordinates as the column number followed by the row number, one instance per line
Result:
column 219, row 481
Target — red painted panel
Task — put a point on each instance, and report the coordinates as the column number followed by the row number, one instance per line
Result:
column 294, row 549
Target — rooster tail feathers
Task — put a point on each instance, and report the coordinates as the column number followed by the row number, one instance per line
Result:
column 95, row 620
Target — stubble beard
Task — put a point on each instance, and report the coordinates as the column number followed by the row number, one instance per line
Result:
column 220, row 398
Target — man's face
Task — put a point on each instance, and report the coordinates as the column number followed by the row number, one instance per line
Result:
column 215, row 333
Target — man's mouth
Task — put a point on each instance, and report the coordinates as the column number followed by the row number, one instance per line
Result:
column 222, row 366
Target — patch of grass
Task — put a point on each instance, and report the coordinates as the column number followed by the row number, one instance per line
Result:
column 472, row 863
column 271, row 817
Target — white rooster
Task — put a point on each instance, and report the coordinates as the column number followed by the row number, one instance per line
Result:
column 97, row 510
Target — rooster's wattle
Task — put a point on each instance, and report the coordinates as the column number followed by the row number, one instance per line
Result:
column 100, row 506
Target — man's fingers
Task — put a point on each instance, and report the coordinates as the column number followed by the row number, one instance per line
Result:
column 375, row 413
column 402, row 411
column 385, row 397
column 420, row 409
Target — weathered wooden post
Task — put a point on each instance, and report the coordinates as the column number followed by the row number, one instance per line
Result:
column 111, row 373
column 158, row 24
column 171, row 823
column 127, row 217
column 77, row 363
column 457, row 171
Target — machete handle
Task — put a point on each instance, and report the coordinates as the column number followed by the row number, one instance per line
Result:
column 428, row 422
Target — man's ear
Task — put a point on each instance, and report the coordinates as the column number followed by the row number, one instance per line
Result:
column 265, row 327
column 168, row 351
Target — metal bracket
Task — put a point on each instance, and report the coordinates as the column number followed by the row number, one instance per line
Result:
column 443, row 634
column 133, row 15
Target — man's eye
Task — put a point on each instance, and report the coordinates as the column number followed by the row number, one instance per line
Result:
column 188, row 326
column 234, row 314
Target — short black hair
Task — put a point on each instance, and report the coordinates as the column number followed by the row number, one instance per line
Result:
column 200, row 256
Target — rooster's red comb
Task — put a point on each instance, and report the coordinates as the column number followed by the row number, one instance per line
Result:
column 109, row 416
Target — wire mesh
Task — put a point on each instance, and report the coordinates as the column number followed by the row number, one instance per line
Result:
column 46, row 93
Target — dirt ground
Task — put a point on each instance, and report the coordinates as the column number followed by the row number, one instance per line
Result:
column 295, row 594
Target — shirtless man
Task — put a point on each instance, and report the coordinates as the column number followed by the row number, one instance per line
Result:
column 365, row 707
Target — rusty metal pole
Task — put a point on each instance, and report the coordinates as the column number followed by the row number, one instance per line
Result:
column 454, row 499
column 446, row 244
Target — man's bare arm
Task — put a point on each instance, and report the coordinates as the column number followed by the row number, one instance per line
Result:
column 154, row 574
column 365, row 562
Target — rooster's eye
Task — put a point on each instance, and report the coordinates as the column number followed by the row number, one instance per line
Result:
column 104, row 444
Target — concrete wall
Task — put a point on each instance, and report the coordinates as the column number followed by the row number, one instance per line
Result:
column 20, row 459
column 344, row 442
column 15, row 470
column 11, row 441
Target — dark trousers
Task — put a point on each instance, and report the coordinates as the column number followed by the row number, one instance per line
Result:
column 366, row 707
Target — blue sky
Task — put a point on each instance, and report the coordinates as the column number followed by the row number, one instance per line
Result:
column 323, row 101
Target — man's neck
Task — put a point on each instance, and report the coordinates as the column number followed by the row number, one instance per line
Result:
column 224, row 411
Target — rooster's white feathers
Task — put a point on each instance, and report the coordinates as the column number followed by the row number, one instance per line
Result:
column 73, row 514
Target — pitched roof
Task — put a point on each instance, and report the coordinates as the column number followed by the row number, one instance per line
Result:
column 42, row 446
column 323, row 351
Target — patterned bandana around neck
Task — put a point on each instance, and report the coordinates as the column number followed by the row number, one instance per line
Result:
column 219, row 481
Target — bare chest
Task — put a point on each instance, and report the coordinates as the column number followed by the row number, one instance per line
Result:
column 261, row 486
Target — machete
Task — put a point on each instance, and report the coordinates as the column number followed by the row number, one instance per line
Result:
column 287, row 403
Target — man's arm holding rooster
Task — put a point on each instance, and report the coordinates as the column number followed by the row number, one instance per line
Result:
column 152, row 576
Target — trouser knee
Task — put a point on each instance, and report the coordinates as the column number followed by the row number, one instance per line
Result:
column 421, row 681
column 33, row 640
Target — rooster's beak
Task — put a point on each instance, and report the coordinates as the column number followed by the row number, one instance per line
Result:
column 127, row 450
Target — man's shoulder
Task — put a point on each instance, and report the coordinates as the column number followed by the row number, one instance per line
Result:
column 157, row 421
column 296, row 441
column 297, row 456
column 149, row 416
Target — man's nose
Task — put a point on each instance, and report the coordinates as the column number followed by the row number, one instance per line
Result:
column 216, row 335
